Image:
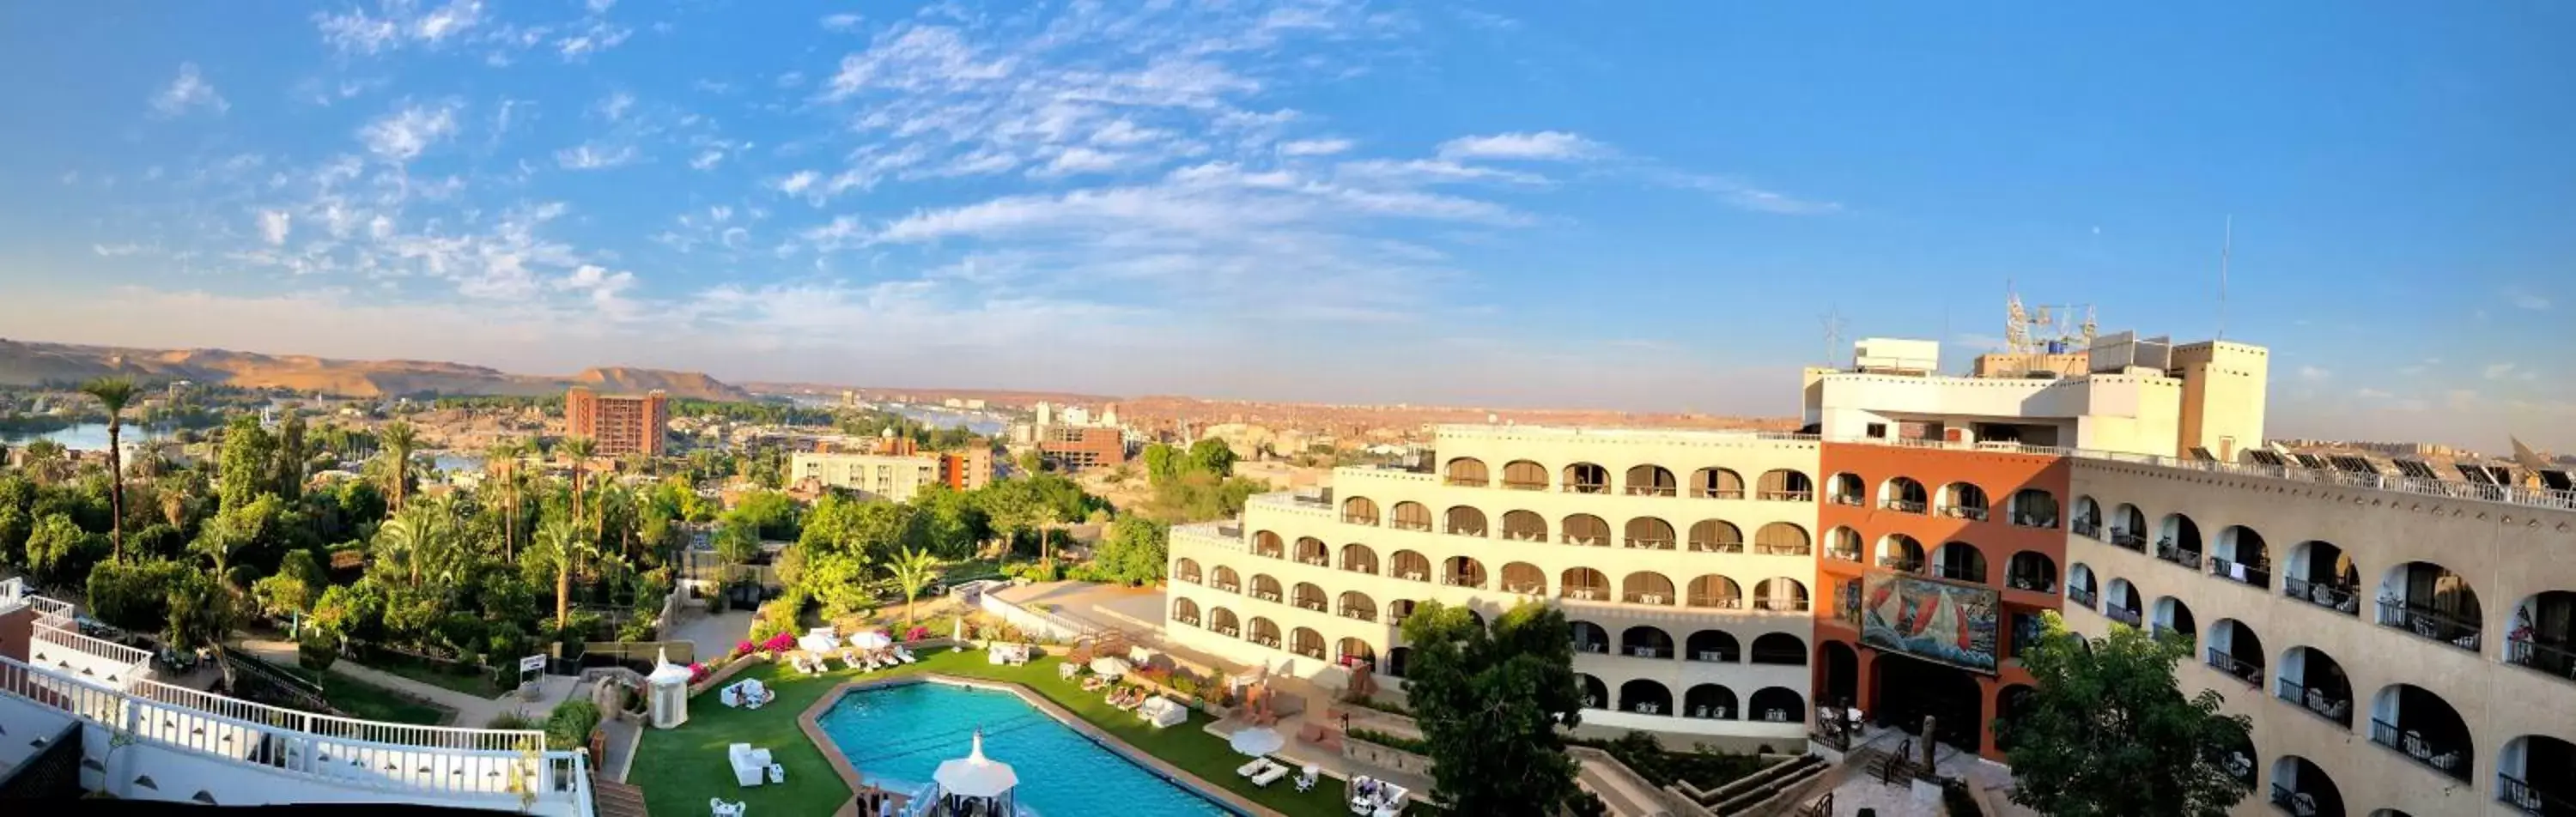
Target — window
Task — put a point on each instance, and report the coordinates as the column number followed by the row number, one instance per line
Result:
column 1878, row 431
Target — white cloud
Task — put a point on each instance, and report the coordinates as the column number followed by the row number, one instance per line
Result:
column 605, row 289
column 2314, row 374
column 2372, row 394
column 1538, row 146
column 595, row 38
column 1314, row 147
column 406, row 133
column 841, row 22
column 189, row 91
column 615, row 106
column 707, row 159
column 2501, row 371
column 273, row 225
column 2525, row 299
column 1743, row 195
column 397, row 23
column 798, row 182
column 447, row 21
column 596, row 156
column 1078, row 160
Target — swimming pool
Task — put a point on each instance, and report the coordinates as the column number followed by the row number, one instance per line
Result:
column 896, row 737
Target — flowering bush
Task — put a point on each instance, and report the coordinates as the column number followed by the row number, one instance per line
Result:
column 917, row 633
column 742, row 649
column 781, row 642
column 699, row 672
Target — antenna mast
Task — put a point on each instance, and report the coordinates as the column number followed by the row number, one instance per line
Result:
column 2226, row 252
column 1833, row 321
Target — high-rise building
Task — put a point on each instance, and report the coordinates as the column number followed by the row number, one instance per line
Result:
column 619, row 424
column 968, row 469
column 1074, row 448
column 1899, row 556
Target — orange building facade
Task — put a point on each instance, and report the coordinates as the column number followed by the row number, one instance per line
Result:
column 620, row 424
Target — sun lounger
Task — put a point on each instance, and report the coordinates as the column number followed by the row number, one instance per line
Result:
column 1269, row 775
column 851, row 660
column 1257, row 766
column 750, row 765
column 904, row 655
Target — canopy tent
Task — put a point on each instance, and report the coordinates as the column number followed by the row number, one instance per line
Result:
column 667, row 691
column 977, row 777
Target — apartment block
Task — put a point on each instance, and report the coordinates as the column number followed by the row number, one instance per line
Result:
column 619, row 424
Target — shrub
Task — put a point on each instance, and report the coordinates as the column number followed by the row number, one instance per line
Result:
column 741, row 649
column 917, row 633
column 699, row 672
column 1415, row 745
column 570, row 724
column 510, row 720
column 315, row 652
column 781, row 642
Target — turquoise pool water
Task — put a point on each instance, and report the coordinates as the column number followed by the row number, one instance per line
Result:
column 897, row 736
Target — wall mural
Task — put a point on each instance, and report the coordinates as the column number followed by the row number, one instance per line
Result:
column 1949, row 623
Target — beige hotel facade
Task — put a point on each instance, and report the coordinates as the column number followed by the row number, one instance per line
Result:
column 2403, row 637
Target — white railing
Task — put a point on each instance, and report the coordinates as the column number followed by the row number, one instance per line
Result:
column 2507, row 494
column 109, row 651
column 391, row 734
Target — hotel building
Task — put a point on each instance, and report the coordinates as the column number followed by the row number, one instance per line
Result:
column 620, row 424
column 1898, row 556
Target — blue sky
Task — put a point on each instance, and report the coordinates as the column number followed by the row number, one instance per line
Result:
column 1506, row 204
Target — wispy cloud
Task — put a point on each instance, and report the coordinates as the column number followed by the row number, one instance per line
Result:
column 188, row 92
column 1537, row 146
column 1314, row 147
column 841, row 22
column 2525, row 299
column 273, row 226
column 2314, row 374
column 596, row 156
column 404, row 134
column 2509, row 371
column 1744, row 195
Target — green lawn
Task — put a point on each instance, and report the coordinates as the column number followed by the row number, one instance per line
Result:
column 475, row 683
column 364, row 700
column 680, row 768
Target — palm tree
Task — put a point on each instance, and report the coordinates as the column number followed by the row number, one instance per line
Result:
column 45, row 460
column 504, row 456
column 399, row 438
column 913, row 570
column 113, row 393
column 412, row 536
column 562, row 536
column 579, row 449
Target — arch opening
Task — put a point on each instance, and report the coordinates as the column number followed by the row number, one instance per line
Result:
column 2432, row 602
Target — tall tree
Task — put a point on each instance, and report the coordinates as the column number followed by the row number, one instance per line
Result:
column 399, row 439
column 112, row 394
column 1490, row 702
column 503, row 458
column 292, row 456
column 2107, row 730
column 563, row 537
column 579, row 450
column 46, row 461
column 913, row 570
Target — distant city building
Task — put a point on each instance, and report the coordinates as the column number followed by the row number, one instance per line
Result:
column 620, row 424
column 893, row 477
column 967, row 470
column 1075, row 448
column 1076, row 416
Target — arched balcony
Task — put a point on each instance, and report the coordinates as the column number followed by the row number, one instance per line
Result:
column 2544, row 634
column 1524, row 578
column 1185, row 570
column 1523, row 526
column 1396, row 659
column 1776, row 705
column 1959, row 561
column 1589, row 637
column 1583, row 584
column 1409, row 566
column 1713, row 646
column 1355, row 653
column 1306, row 642
column 1524, row 475
column 2236, row 756
column 2081, row 587
column 1843, row 543
column 1715, row 592
column 2322, row 574
column 1645, row 697
column 1226, row 579
column 1269, row 546
column 2173, row 621
column 1265, row 632
column 1717, row 483
column 2313, row 682
column 1467, row 472
column 1715, row 536
column 1709, row 702
column 1312, row 551
column 1586, row 530
column 2031, row 570
column 2431, row 601
column 2537, row 774
column 1646, row 587
column 1846, row 489
column 1899, row 552
column 1645, row 641
column 1780, row 649
column 1649, row 533
column 1411, row 516
column 1652, row 480
column 2122, row 604
column 2033, row 508
column 1222, row 622
column 1781, row 594
column 1399, row 610
column 2178, row 541
column 2129, row 527
column 1360, row 510
column 1307, row 596
column 1358, row 558
column 2422, row 726
column 2301, row 789
column 1467, row 520
column 2235, row 650
column 1462, row 571
column 1785, row 485
column 1903, row 495
column 1586, row 478
column 2241, row 557
column 1963, row 500
column 1185, row 611
column 1265, row 588
column 1781, row 539
column 2088, row 518
column 1595, row 696
column 1354, row 604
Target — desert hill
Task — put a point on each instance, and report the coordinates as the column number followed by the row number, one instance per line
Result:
column 33, row 363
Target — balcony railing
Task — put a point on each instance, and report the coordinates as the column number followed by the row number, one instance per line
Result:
column 1593, row 647
column 1783, row 549
column 2341, row 598
column 1717, row 602
column 2221, row 660
column 1651, row 490
column 1360, row 567
column 2531, row 800
column 2088, row 529
column 1976, row 512
column 2437, row 753
column 1230, row 587
column 1781, row 605
column 1789, row 496
column 1360, row 613
column 1585, row 541
column 2031, row 582
column 1588, row 488
column 1316, row 653
column 2240, row 572
column 1266, row 595
column 1186, row 578
column 2129, row 539
column 2295, row 803
column 1465, row 482
column 1664, row 653
column 2034, row 520
column 1711, row 657
column 1903, row 505
column 2082, row 595
column 1521, row 485
column 2166, row 633
column 1902, row 564
column 1638, row 543
column 1270, row 553
column 1408, row 525
column 1717, row 493
column 1476, row 532
column 1698, row 546
column 1579, row 593
column 2123, row 615
column 2334, row 708
column 1229, row 632
column 1845, row 555
column 1526, row 588
column 1959, row 573
column 1646, row 598
column 1853, row 500
column 1359, row 519
column 2556, row 659
column 2429, row 623
column 1463, row 581
column 2175, row 554
column 1187, row 619
column 1317, row 561
column 1316, row 605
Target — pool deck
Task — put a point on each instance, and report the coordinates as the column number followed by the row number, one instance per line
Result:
column 811, row 722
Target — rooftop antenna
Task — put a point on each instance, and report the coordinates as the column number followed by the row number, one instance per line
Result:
column 2226, row 251
column 1833, row 321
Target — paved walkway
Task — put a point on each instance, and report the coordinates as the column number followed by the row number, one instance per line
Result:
column 471, row 712
column 713, row 635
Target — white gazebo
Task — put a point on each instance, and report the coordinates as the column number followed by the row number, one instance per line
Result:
column 668, row 687
column 977, row 778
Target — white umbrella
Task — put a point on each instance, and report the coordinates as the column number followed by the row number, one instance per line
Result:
column 1256, row 741
column 815, row 643
column 871, row 640
column 1109, row 666
column 975, row 775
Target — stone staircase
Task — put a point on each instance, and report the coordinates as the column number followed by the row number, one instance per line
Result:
column 616, row 799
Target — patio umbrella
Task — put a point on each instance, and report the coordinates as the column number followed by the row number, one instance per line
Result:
column 1109, row 666
column 1256, row 741
column 816, row 643
column 976, row 775
column 871, row 640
